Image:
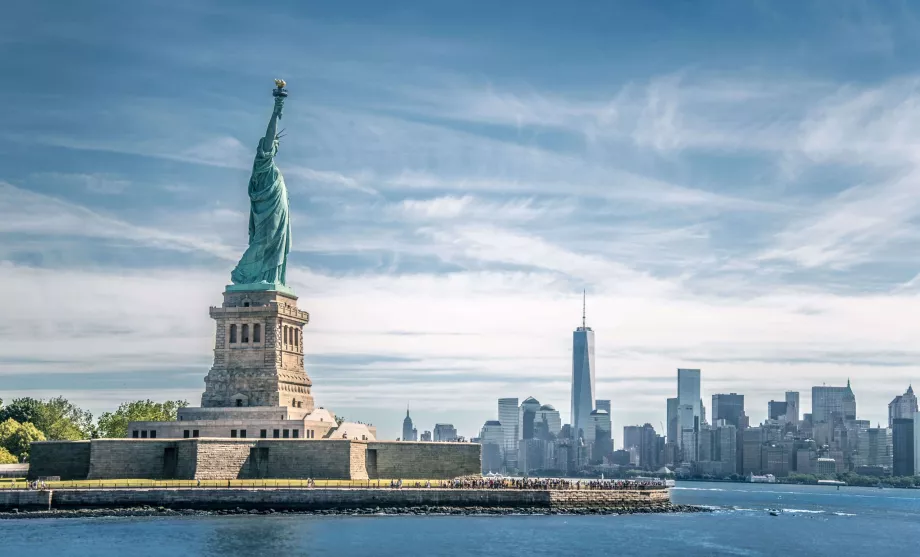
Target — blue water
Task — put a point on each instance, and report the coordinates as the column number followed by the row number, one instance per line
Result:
column 812, row 521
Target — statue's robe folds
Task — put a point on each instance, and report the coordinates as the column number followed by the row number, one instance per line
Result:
column 265, row 260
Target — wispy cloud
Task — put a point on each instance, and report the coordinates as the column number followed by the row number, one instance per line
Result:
column 746, row 205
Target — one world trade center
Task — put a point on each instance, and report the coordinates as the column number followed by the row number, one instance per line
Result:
column 582, row 377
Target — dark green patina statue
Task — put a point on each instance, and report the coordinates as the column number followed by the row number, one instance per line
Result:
column 264, row 264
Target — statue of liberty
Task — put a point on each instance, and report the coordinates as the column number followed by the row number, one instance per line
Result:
column 264, row 264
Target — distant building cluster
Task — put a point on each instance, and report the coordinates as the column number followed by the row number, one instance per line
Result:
column 446, row 433
column 529, row 437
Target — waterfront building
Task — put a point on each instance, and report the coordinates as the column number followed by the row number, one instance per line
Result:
column 875, row 448
column 751, row 456
column 425, row 436
column 527, row 415
column 603, row 404
column 830, row 402
column 718, row 453
column 509, row 416
column 778, row 458
column 583, row 384
column 826, row 467
column 805, row 460
column 903, row 437
column 409, row 433
column 445, row 433
column 729, row 407
column 792, row 407
column 903, row 406
column 725, row 447
column 916, row 442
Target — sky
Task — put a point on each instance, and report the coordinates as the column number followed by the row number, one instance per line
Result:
column 735, row 185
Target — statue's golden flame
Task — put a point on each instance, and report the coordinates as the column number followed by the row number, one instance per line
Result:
column 280, row 83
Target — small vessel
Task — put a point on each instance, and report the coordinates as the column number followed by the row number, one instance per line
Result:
column 774, row 513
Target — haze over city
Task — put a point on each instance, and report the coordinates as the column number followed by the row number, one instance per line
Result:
column 734, row 186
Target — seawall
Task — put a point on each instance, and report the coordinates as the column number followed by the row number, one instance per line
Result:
column 313, row 499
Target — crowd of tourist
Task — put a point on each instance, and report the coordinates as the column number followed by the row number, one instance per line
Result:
column 533, row 483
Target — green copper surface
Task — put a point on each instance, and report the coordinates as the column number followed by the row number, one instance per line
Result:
column 265, row 260
column 261, row 287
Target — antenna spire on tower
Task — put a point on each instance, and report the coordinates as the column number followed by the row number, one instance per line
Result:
column 584, row 296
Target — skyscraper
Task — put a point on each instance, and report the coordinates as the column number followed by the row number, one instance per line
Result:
column 550, row 416
column 792, row 407
column 902, row 440
column 582, row 377
column 916, row 442
column 875, row 447
column 445, row 432
column 689, row 412
column 528, row 415
column 729, row 407
column 776, row 410
column 903, row 406
column 671, row 429
column 650, row 446
column 830, row 402
column 598, row 433
column 409, row 433
column 688, row 390
column 508, row 415
column 632, row 436
column 492, row 439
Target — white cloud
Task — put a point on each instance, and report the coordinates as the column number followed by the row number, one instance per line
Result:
column 24, row 211
column 876, row 128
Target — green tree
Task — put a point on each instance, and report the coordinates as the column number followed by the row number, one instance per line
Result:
column 17, row 438
column 115, row 424
column 22, row 410
column 6, row 457
column 57, row 418
column 61, row 419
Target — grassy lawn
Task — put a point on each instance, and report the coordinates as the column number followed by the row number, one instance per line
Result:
column 77, row 484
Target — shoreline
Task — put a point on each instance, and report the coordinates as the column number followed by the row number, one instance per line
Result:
column 147, row 511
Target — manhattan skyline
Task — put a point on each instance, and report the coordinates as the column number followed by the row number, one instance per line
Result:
column 744, row 204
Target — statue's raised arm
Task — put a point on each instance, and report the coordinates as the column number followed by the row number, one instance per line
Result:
column 264, row 264
column 271, row 133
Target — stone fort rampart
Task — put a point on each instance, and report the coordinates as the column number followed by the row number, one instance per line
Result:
column 333, row 498
column 225, row 459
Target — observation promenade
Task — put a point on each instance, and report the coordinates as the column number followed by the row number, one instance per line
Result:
column 276, row 496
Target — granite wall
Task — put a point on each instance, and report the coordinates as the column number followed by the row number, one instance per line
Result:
column 67, row 459
column 204, row 458
column 348, row 498
column 141, row 458
column 280, row 458
column 410, row 460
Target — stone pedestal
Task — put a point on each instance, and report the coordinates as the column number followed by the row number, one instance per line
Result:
column 258, row 353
